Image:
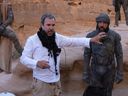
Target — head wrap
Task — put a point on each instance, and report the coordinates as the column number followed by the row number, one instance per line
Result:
column 103, row 17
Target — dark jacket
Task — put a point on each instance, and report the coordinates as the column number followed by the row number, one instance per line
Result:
column 107, row 54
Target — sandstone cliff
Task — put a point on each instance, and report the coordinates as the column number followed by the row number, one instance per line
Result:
column 73, row 17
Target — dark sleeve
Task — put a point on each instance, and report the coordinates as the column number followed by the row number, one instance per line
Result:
column 87, row 57
column 113, row 2
column 126, row 4
column 10, row 16
column 118, row 53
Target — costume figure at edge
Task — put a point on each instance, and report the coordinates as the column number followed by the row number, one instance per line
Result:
column 42, row 54
column 5, row 29
column 117, row 5
column 103, row 63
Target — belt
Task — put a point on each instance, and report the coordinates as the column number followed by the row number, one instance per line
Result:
column 53, row 83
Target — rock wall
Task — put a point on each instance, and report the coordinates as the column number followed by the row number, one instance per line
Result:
column 73, row 17
column 30, row 11
column 68, row 13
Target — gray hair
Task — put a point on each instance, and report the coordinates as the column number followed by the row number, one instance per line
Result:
column 47, row 15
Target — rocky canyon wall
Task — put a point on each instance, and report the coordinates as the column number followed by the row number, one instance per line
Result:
column 68, row 12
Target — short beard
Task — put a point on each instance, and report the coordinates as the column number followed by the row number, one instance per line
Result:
column 103, row 29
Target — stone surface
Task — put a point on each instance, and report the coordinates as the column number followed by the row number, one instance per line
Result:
column 74, row 18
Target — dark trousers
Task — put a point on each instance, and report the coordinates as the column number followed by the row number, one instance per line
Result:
column 97, row 91
column 105, row 78
column 117, row 11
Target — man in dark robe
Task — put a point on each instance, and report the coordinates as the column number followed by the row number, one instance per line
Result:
column 6, row 19
column 103, row 62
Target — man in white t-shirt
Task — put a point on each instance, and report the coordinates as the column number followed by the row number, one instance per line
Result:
column 42, row 54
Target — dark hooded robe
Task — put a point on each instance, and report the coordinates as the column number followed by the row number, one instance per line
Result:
column 6, row 19
column 103, row 62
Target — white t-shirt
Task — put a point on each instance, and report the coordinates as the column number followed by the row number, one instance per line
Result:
column 34, row 51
